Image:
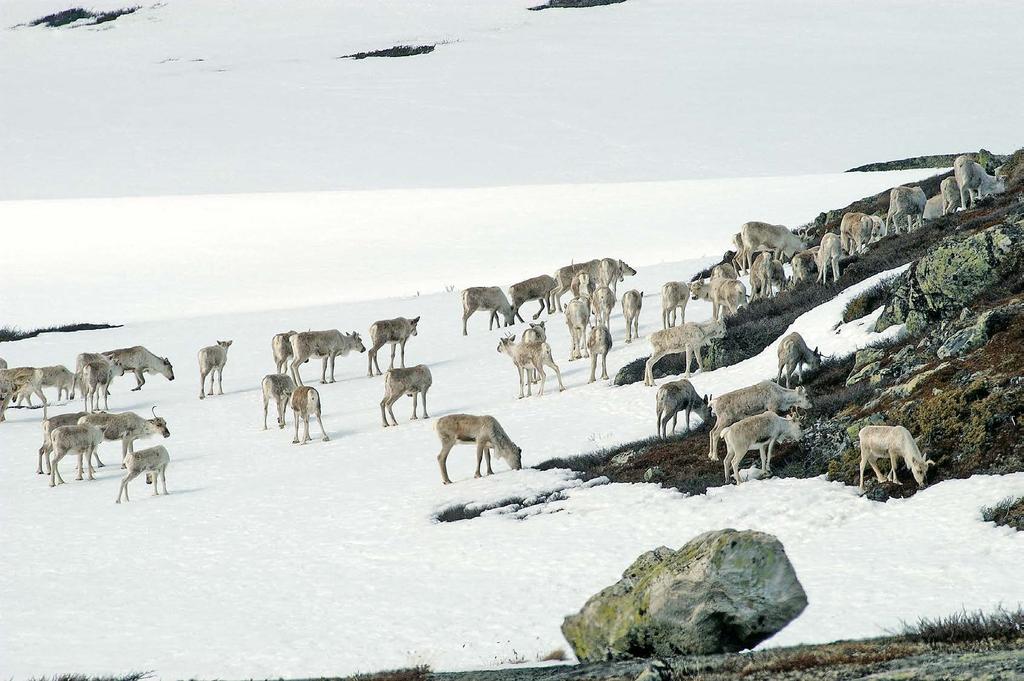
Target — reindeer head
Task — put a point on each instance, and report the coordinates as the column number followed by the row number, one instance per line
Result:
column 505, row 343
column 225, row 344
column 793, row 430
column 513, row 456
column 159, row 424
column 625, row 271
column 116, row 368
column 166, row 369
column 703, row 409
column 919, row 469
column 357, row 342
column 412, row 325
column 699, row 289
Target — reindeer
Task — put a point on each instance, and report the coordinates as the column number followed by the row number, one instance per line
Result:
column 412, row 382
column 535, row 288
column 282, row 347
column 582, row 285
column 601, row 305
column 794, row 355
column 141, row 361
column 277, row 387
column 306, row 401
column 81, row 440
column 599, row 344
column 725, row 295
column 738, row 404
column 688, row 338
column 393, row 332
column 632, row 301
column 530, row 355
column 760, row 432
column 152, row 461
column 483, row 431
column 324, row 344
column 490, row 299
column 577, row 318
column 676, row 396
column 674, row 295
column 211, row 362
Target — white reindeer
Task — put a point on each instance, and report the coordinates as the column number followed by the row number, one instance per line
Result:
column 632, row 302
column 211, row 363
column 394, row 332
column 279, row 388
column 153, row 461
column 893, row 443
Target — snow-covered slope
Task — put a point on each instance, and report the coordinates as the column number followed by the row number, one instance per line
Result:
column 124, row 260
column 194, row 96
column 269, row 559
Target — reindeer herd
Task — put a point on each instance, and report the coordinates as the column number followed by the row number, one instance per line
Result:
column 749, row 419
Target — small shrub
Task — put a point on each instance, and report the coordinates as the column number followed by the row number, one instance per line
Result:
column 1004, row 625
column 421, row 673
column 396, row 51
column 869, row 301
column 1009, row 512
column 556, row 655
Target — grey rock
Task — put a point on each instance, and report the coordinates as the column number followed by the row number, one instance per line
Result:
column 724, row 591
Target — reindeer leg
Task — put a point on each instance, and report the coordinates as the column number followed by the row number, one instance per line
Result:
column 479, row 458
column 536, row 316
column 392, row 365
column 424, row 395
column 442, row 460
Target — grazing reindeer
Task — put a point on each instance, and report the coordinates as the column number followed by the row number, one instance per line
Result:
column 126, row 427
column 412, row 382
column 794, row 355
column 688, row 338
column 949, row 190
column 277, row 387
column 324, row 344
column 674, row 295
column 535, row 288
column 149, row 461
column 760, row 432
column 632, row 301
column 738, row 404
column 282, row 346
column 908, row 202
column 761, row 236
column 57, row 376
column 20, row 381
column 577, row 318
column 211, row 363
column 599, row 344
column 974, row 182
column 828, row 257
column 394, row 332
column 805, row 267
column 141, row 361
column 676, row 396
column 530, row 355
column 894, row 443
column 81, row 440
column 725, row 295
column 306, row 401
column 490, row 299
column 601, row 304
column 483, row 431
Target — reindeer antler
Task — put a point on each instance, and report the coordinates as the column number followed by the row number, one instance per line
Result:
column 154, row 411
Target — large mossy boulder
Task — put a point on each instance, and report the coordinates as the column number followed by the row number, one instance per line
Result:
column 952, row 277
column 724, row 591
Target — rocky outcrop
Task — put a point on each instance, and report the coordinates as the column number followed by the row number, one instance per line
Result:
column 951, row 277
column 724, row 591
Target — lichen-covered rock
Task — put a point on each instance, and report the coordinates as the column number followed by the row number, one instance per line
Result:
column 952, row 276
column 724, row 591
column 971, row 338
